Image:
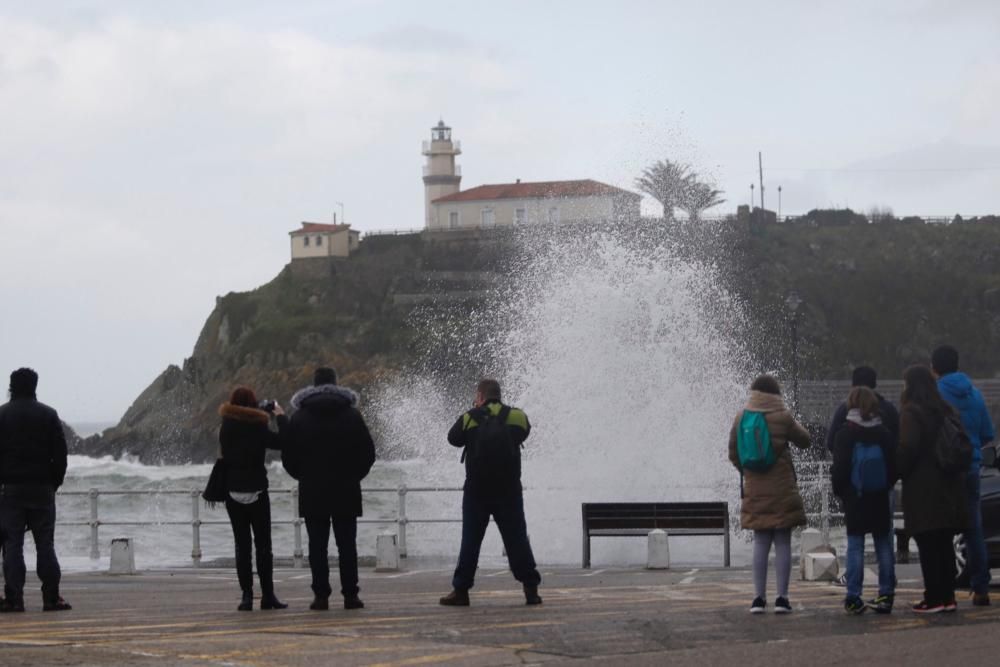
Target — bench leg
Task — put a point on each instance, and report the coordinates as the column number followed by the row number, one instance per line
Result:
column 586, row 551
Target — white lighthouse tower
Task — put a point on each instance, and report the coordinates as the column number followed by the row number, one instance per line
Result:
column 441, row 175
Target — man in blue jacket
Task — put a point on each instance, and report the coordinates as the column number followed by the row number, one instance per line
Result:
column 958, row 390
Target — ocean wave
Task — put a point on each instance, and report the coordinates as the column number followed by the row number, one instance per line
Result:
column 80, row 467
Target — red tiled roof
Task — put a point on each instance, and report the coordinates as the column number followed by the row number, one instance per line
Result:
column 542, row 189
column 310, row 227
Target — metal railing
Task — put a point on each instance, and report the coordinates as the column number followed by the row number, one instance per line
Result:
column 400, row 520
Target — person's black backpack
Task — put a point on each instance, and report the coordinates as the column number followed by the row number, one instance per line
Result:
column 952, row 447
column 492, row 457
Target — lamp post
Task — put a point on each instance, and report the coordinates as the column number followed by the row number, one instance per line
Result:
column 751, row 196
column 779, row 203
column 793, row 301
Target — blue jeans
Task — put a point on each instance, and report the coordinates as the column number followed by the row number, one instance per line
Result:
column 856, row 564
column 979, row 570
column 507, row 509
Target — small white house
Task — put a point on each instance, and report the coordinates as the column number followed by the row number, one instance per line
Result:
column 549, row 202
column 316, row 239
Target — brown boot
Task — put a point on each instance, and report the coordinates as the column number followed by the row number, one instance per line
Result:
column 457, row 598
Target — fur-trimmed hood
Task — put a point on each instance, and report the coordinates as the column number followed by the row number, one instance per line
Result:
column 243, row 414
column 333, row 395
column 760, row 401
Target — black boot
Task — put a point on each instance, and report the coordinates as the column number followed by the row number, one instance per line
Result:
column 270, row 601
column 55, row 604
column 457, row 598
column 320, row 604
column 246, row 604
column 353, row 602
column 531, row 595
column 12, row 605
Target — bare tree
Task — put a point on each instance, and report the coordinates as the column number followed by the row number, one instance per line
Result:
column 699, row 196
column 667, row 182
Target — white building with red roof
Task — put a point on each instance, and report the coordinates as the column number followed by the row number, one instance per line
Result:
column 510, row 204
column 316, row 239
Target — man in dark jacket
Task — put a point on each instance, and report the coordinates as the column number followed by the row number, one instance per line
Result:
column 958, row 390
column 328, row 448
column 492, row 434
column 32, row 467
column 865, row 376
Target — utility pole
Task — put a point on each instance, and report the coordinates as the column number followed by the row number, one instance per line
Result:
column 760, row 166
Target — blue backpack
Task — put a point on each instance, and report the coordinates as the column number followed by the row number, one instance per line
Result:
column 753, row 442
column 868, row 469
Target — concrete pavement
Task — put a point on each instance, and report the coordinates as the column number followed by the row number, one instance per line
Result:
column 615, row 616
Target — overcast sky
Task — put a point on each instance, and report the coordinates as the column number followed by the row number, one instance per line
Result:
column 154, row 155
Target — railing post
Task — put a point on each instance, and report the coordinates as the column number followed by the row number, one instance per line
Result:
column 95, row 551
column 824, row 495
column 195, row 528
column 401, row 520
column 296, row 528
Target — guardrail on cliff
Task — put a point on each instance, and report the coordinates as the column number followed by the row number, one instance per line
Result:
column 400, row 520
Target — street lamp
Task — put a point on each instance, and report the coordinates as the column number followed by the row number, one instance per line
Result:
column 793, row 301
column 779, row 203
column 751, row 196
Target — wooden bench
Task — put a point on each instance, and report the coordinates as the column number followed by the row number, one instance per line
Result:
column 637, row 519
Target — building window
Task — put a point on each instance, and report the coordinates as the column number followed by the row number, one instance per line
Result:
column 520, row 216
column 488, row 217
column 453, row 220
column 319, row 240
column 554, row 215
column 305, row 241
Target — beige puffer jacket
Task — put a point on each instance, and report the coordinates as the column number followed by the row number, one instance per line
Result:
column 771, row 499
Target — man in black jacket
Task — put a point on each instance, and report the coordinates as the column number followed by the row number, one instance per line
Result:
column 328, row 449
column 491, row 435
column 32, row 467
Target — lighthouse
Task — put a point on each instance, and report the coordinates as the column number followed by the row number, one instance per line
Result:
column 441, row 175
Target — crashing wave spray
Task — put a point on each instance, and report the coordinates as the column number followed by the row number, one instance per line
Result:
column 620, row 351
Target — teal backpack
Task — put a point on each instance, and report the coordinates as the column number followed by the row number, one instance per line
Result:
column 753, row 442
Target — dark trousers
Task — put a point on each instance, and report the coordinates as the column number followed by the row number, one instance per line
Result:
column 507, row 510
column 937, row 563
column 255, row 518
column 345, row 532
column 32, row 506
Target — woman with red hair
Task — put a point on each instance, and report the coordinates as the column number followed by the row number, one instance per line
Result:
column 244, row 438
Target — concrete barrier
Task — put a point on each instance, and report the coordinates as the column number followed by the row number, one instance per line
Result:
column 122, row 556
column 386, row 553
column 819, row 566
column 657, row 550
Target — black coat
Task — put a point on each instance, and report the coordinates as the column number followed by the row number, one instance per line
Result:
column 32, row 444
column 887, row 411
column 932, row 499
column 869, row 513
column 244, row 439
column 464, row 431
column 328, row 448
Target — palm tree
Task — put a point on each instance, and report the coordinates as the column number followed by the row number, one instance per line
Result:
column 698, row 197
column 667, row 182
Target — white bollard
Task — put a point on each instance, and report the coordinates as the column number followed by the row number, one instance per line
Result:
column 122, row 556
column 819, row 566
column 809, row 540
column 386, row 553
column 657, row 550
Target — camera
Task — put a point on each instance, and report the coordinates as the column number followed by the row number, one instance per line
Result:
column 267, row 405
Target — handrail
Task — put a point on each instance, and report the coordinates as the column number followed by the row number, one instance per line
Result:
column 401, row 520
